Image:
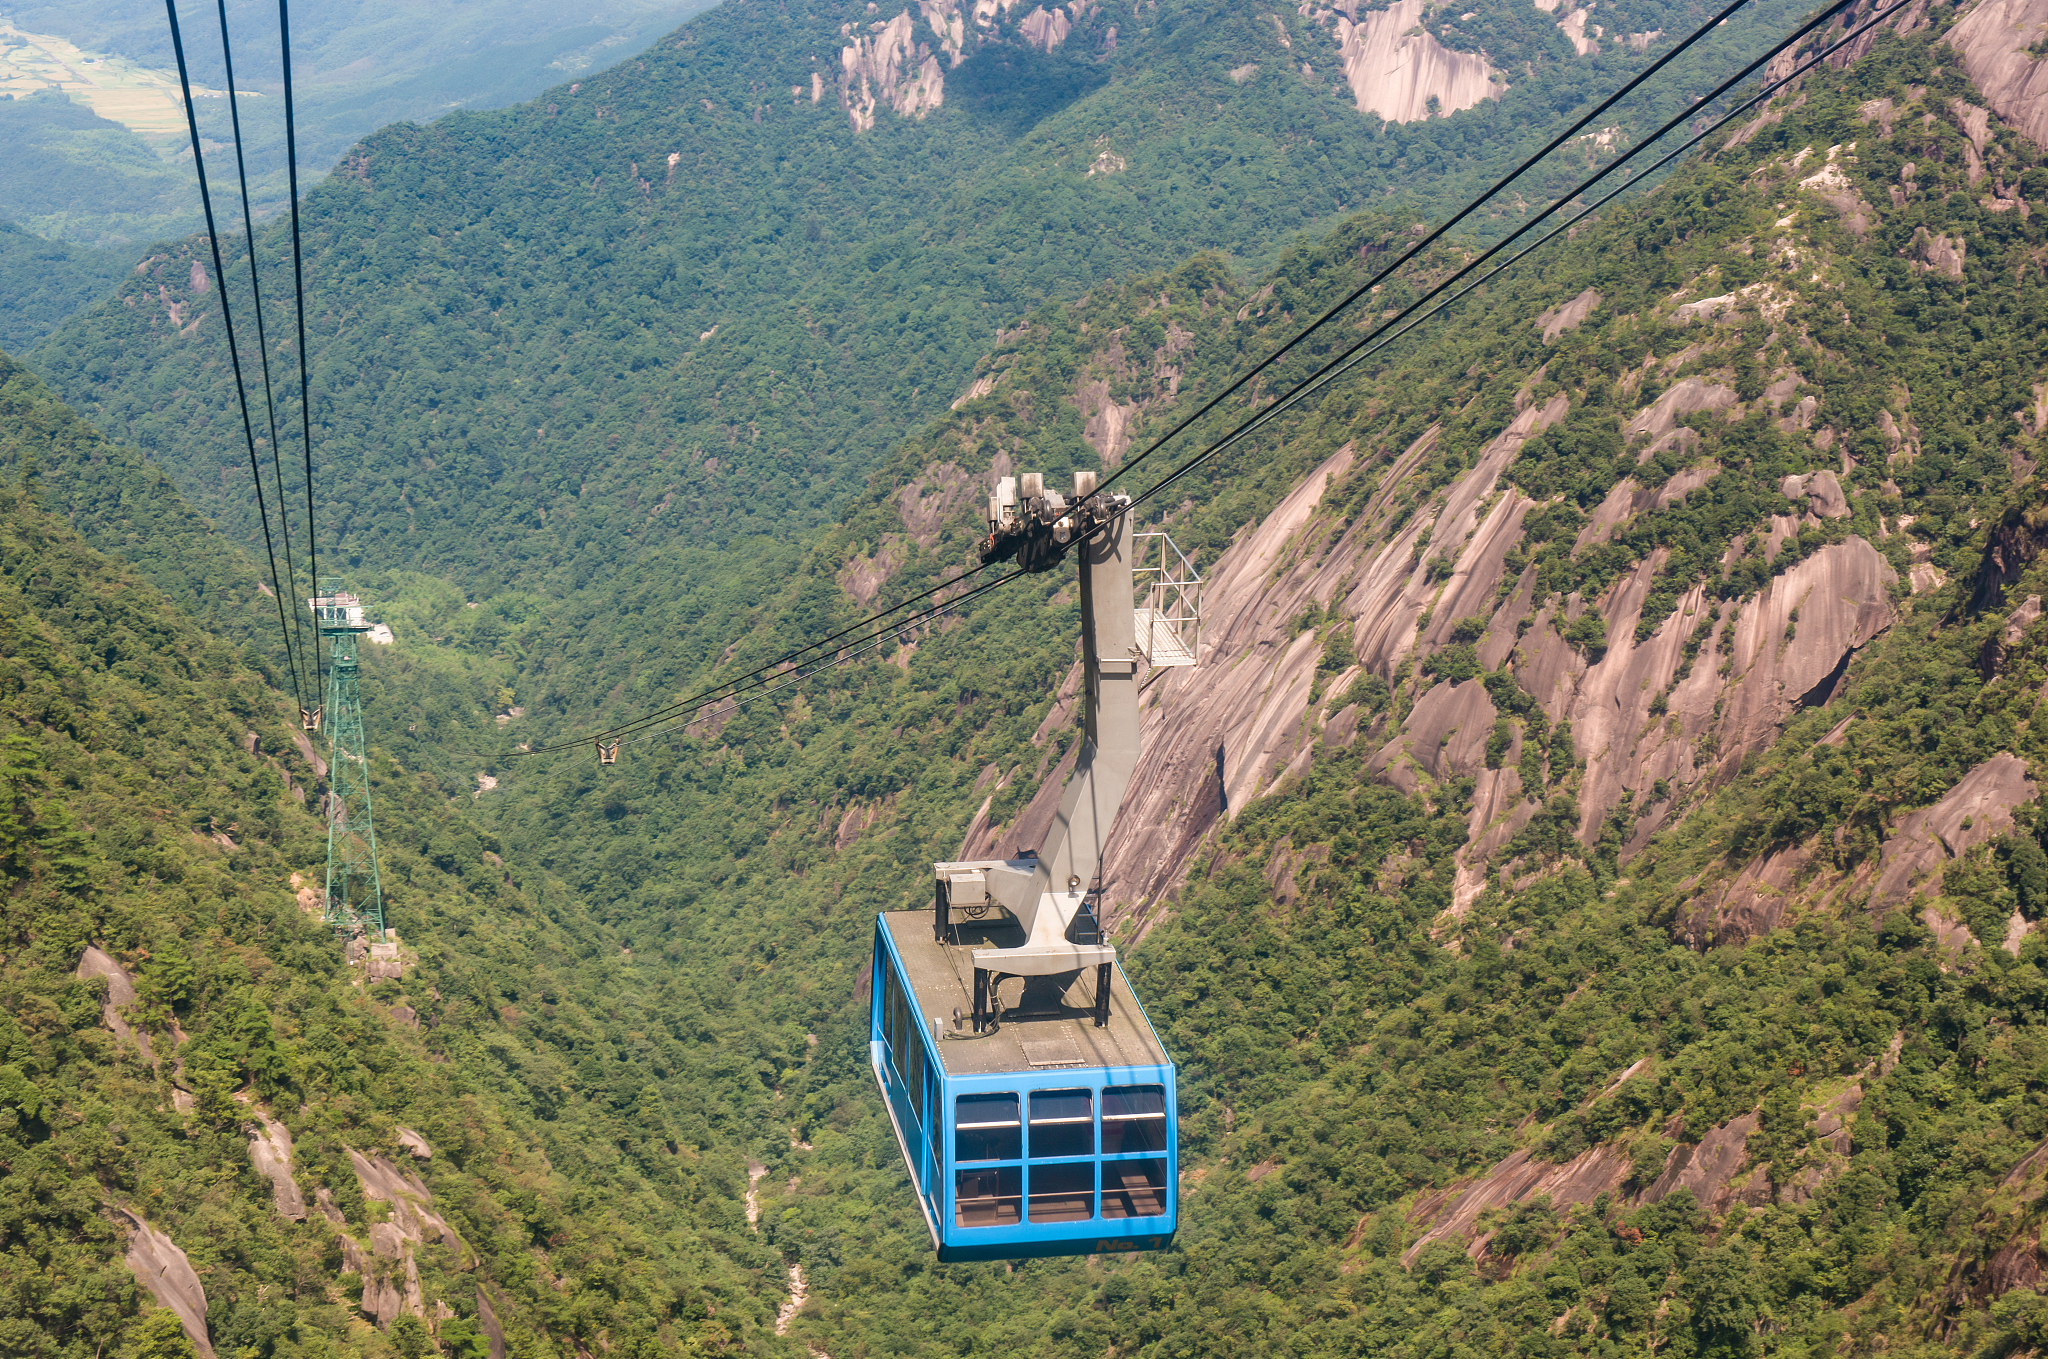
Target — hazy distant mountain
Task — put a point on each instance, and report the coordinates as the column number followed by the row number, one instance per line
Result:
column 358, row 67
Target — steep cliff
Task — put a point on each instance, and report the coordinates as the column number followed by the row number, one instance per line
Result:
column 1400, row 72
column 1669, row 675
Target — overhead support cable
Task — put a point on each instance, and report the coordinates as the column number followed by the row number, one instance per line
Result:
column 291, row 162
column 771, row 668
column 1436, row 234
column 735, row 702
column 234, row 351
column 743, row 689
column 1407, row 321
column 284, row 518
column 1330, row 367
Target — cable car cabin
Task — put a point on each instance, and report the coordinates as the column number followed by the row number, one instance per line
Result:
column 1043, row 1135
column 1033, row 1102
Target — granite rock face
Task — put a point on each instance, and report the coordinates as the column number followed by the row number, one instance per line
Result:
column 1240, row 723
column 163, row 1269
column 1994, row 39
column 1402, row 73
column 120, row 995
column 1977, row 810
column 270, row 1152
column 390, row 1268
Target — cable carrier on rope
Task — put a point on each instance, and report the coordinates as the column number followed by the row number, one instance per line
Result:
column 1031, row 1097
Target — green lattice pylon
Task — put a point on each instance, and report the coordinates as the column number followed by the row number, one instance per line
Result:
column 355, row 896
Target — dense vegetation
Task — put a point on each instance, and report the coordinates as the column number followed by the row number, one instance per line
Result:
column 653, row 977
column 584, row 1118
column 80, row 177
column 43, row 282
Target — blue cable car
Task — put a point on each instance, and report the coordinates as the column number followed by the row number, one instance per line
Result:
column 1041, row 1122
column 1041, row 1135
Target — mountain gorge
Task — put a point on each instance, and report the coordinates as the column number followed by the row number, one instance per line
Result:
column 1590, row 885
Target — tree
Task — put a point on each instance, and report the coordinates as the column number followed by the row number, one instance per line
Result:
column 162, row 1336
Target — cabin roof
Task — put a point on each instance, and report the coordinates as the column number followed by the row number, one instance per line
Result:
column 1063, row 1036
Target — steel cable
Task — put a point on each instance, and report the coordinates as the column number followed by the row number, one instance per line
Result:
column 1330, row 374
column 291, row 161
column 1322, row 373
column 234, row 351
column 1437, row 233
column 262, row 337
column 766, row 675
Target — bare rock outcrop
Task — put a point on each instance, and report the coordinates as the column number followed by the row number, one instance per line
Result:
column 270, row 1152
column 1223, row 733
column 1779, row 664
column 1749, row 905
column 1456, row 1213
column 1978, row 809
column 1106, row 424
column 934, row 499
column 391, row 1277
column 1938, row 254
column 487, row 1317
column 1716, row 1171
column 163, row 1269
column 2000, row 645
column 1997, row 42
column 889, row 68
column 409, row 1199
column 1445, row 735
column 1709, row 1169
column 96, row 962
column 1687, row 396
column 1403, row 75
column 1567, row 316
column 1821, row 492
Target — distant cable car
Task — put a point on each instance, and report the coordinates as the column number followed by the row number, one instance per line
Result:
column 309, row 718
column 607, row 752
column 1031, row 1098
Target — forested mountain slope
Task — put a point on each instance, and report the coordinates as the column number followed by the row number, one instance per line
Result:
column 521, row 1136
column 44, row 281
column 702, row 293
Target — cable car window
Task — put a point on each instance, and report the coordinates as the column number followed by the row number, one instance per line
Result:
column 1063, row 1193
column 893, row 1015
column 986, row 1128
column 934, row 1136
column 1133, row 1119
column 991, row 1197
column 1134, row 1188
column 1062, row 1123
column 913, row 1072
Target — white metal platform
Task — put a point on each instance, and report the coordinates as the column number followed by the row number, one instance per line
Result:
column 1161, row 638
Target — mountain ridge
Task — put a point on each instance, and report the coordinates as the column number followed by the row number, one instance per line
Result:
column 833, row 284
